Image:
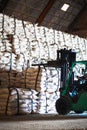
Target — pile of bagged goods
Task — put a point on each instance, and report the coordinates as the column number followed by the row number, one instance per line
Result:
column 26, row 93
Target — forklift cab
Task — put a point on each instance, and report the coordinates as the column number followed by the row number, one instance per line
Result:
column 78, row 80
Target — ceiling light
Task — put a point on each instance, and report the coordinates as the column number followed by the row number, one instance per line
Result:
column 65, row 7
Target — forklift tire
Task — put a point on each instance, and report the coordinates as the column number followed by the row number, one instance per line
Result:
column 62, row 106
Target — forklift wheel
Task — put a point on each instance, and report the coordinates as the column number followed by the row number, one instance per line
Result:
column 63, row 105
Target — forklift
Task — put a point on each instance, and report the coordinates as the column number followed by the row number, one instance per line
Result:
column 73, row 92
column 73, row 88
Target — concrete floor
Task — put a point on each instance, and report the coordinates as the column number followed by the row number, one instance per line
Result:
column 43, row 122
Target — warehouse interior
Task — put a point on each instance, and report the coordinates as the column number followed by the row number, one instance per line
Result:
column 31, row 33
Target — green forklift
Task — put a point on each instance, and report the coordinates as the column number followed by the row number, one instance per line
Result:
column 73, row 91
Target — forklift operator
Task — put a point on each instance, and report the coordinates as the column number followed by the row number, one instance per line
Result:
column 81, row 83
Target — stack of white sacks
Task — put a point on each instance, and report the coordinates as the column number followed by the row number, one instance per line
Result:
column 19, row 102
column 15, row 101
column 28, row 100
column 49, row 90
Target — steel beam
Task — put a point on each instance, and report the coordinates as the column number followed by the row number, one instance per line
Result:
column 45, row 11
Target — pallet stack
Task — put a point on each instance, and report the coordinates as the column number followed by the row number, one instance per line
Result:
column 14, row 101
column 41, row 98
column 33, row 79
column 25, row 79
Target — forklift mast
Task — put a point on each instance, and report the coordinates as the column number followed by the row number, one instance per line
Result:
column 64, row 60
column 67, row 57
